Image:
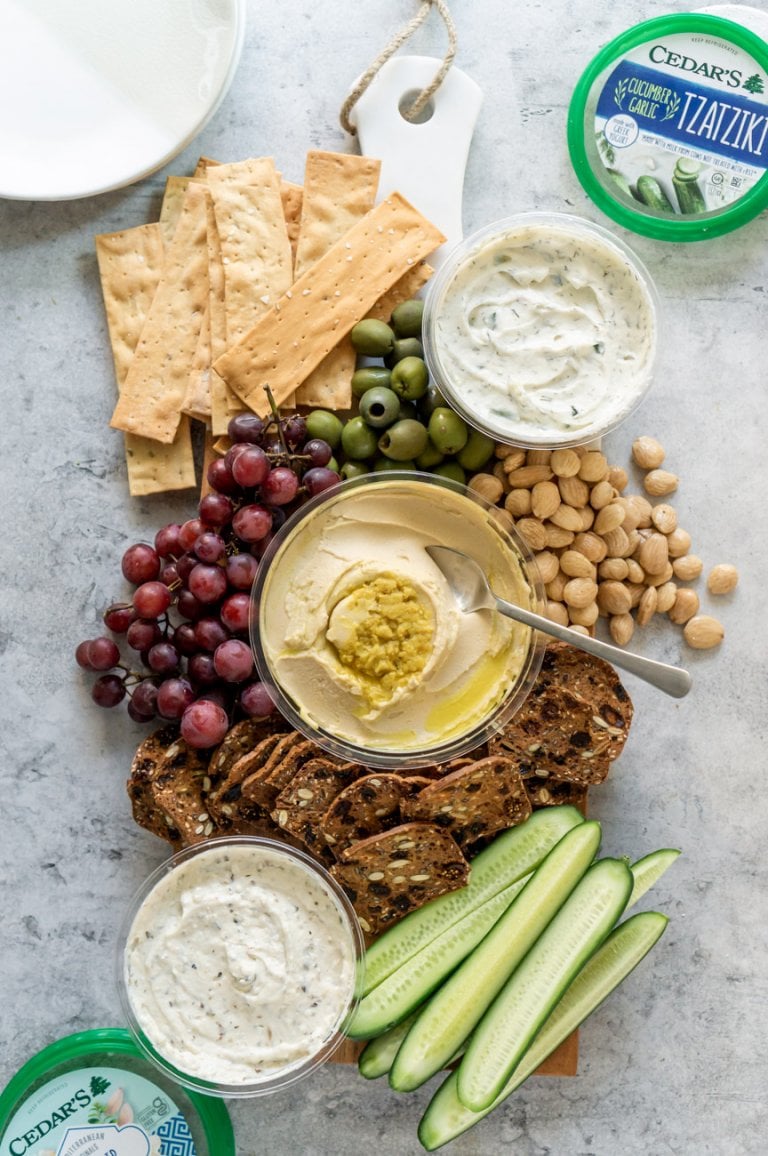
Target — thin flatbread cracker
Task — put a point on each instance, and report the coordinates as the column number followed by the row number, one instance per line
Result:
column 197, row 400
column 156, row 383
column 130, row 264
column 339, row 189
column 170, row 209
column 224, row 403
column 321, row 307
column 292, row 196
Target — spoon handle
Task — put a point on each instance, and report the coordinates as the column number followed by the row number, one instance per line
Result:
column 671, row 679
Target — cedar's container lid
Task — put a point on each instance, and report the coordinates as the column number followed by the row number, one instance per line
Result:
column 668, row 126
column 96, row 1088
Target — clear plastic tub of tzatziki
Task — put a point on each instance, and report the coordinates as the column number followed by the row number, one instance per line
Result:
column 358, row 634
column 239, row 965
column 541, row 330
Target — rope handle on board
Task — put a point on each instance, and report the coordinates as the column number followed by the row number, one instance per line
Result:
column 396, row 42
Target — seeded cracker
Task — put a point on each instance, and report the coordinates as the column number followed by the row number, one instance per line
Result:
column 367, row 807
column 293, row 337
column 389, row 875
column 473, row 802
column 264, row 785
column 301, row 805
column 130, row 265
column 224, row 798
column 156, row 382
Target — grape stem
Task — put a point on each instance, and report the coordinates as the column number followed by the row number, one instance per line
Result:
column 276, row 418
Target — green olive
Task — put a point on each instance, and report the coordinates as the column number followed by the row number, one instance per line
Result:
column 372, row 338
column 369, row 377
column 452, row 471
column 407, row 410
column 321, row 423
column 354, row 470
column 429, row 457
column 410, row 378
column 478, row 450
column 404, row 440
column 404, row 347
column 406, row 318
column 379, row 407
column 332, row 465
column 431, row 400
column 383, row 465
column 358, row 440
column 447, row 430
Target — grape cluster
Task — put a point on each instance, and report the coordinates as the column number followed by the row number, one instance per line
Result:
column 187, row 620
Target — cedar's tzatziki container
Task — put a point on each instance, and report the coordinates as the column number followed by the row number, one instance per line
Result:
column 541, row 330
column 239, row 965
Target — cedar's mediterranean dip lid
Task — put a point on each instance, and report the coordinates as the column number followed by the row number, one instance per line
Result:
column 94, row 1092
column 668, row 127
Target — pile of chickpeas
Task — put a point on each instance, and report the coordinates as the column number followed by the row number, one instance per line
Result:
column 600, row 551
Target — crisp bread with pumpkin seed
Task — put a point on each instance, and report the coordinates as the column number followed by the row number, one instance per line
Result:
column 399, row 870
column 240, row 739
column 593, row 679
column 548, row 792
column 366, row 807
column 558, row 734
column 264, row 785
column 473, row 802
column 301, row 805
column 168, row 784
column 226, row 794
column 321, row 307
column 144, row 769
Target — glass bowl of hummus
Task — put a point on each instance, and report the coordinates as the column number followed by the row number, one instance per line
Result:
column 360, row 639
column 541, row 330
column 239, row 964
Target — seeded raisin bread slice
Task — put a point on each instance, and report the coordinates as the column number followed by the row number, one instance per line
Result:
column 300, row 807
column 475, row 801
column 144, row 769
column 367, row 807
column 264, row 785
column 399, row 870
column 239, row 740
column 225, row 798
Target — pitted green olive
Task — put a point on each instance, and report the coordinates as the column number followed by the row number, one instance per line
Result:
column 354, row 470
column 404, row 440
column 451, row 470
column 405, row 347
column 358, row 440
column 431, row 400
column 372, row 338
column 410, row 378
column 430, row 456
column 379, row 407
column 407, row 317
column 321, row 423
column 369, row 377
column 383, row 465
column 478, row 450
column 447, row 431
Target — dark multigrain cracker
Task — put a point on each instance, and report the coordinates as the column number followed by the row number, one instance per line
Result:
column 548, row 792
column 592, row 678
column 474, row 801
column 239, row 740
column 399, row 870
column 367, row 807
column 301, row 805
column 225, row 799
column 144, row 768
column 179, row 789
column 263, row 786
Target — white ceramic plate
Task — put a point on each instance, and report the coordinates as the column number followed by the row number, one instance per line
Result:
column 95, row 94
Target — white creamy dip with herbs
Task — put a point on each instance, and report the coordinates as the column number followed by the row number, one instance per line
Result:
column 240, row 964
column 545, row 334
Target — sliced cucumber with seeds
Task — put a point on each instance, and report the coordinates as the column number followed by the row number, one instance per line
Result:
column 513, row 1019
column 512, row 855
column 649, row 870
column 448, row 1018
column 376, row 1057
column 446, row 1117
column 402, row 992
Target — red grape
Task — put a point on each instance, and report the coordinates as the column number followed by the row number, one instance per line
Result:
column 185, row 565
column 103, row 654
column 83, row 655
column 210, row 547
column 246, row 427
column 119, row 617
column 151, row 599
column 163, row 658
column 256, row 700
column 207, row 583
column 142, row 634
column 173, row 697
column 318, row 479
column 251, row 467
column 188, row 606
column 318, row 451
column 280, row 486
column 135, row 714
column 272, row 444
column 294, row 430
column 108, row 690
column 204, row 724
column 184, row 639
column 201, row 670
column 169, row 575
column 218, row 695
column 209, row 633
column 189, row 533
column 241, row 570
column 167, row 541
column 235, row 611
column 251, row 523
column 140, row 564
column 215, row 510
column 144, row 699
column 220, row 477
column 233, row 661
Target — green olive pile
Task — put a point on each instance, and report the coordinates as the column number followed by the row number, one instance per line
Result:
column 403, row 422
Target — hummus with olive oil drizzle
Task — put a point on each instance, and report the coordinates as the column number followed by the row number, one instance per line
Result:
column 240, row 964
column 545, row 333
column 361, row 632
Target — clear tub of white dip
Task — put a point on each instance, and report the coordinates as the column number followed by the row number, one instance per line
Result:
column 540, row 330
column 239, row 966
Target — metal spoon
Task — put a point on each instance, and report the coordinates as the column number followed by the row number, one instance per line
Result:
column 470, row 588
